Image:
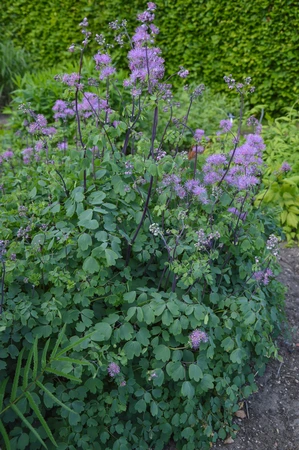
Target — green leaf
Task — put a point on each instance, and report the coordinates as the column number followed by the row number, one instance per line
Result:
column 227, row 344
column 140, row 406
column 44, row 424
column 175, row 370
column 188, row 433
column 89, row 224
column 81, row 362
column 102, row 332
column 207, row 382
column 237, row 355
column 28, row 424
column 111, row 257
column 15, row 383
column 162, row 353
column 195, row 372
column 91, row 265
column 130, row 297
column 132, row 348
column 4, row 436
column 154, row 409
column 187, row 390
column 84, row 241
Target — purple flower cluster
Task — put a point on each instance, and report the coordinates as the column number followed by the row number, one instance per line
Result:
column 225, row 125
column 214, row 168
column 240, row 87
column 196, row 337
column 262, row 276
column 145, row 62
column 194, row 187
column 113, row 369
column 285, row 167
column 63, row 110
column 241, row 215
column 92, row 105
column 103, row 64
column 6, row 156
column 40, row 126
column 199, row 135
column 252, row 121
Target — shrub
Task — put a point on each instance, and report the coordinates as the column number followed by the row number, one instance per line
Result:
column 281, row 178
column 138, row 298
column 13, row 62
column 223, row 37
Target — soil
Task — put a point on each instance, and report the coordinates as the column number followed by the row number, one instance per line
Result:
column 272, row 414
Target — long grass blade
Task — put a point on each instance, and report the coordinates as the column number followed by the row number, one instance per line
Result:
column 55, row 399
column 44, row 424
column 28, row 424
column 26, row 369
column 63, row 374
column 58, row 342
column 17, row 376
column 44, row 355
column 35, row 357
column 74, row 344
column 4, row 436
column 81, row 362
column 2, row 392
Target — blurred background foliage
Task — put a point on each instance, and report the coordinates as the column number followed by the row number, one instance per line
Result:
column 209, row 37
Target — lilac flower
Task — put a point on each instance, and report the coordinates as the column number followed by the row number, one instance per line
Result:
column 123, row 383
column 62, row 110
column 262, row 276
column 101, row 58
column 225, row 125
column 285, row 167
column 70, row 79
column 62, row 145
column 113, row 369
column 7, row 155
column 154, row 29
column 71, row 48
column 84, row 23
column 217, row 160
column 196, row 337
column 49, row 131
column 129, row 168
column 183, row 73
column 241, row 215
column 39, row 146
column 198, row 134
column 13, row 257
column 197, row 190
column 151, row 6
column 146, row 16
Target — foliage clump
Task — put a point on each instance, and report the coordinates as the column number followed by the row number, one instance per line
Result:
column 139, row 298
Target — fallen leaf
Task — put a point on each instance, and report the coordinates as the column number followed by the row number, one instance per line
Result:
column 229, row 440
column 241, row 414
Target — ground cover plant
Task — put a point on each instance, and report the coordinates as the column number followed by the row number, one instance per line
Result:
column 138, row 291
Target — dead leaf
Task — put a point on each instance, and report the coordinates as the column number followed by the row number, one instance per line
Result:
column 241, row 414
column 229, row 440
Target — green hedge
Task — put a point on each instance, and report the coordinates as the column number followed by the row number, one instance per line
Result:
column 210, row 37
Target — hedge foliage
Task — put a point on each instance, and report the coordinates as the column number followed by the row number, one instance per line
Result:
column 257, row 39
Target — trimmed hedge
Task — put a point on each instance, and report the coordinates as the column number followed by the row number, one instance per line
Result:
column 257, row 39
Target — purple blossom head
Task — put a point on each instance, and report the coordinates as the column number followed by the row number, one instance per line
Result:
column 123, row 383
column 146, row 16
column 151, row 6
column 226, row 125
column 183, row 73
column 239, row 214
column 7, row 155
column 196, row 337
column 285, row 167
column 217, row 160
column 113, row 369
column 62, row 145
column 198, row 134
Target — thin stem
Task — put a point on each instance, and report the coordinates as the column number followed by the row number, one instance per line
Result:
column 2, row 287
column 141, row 221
